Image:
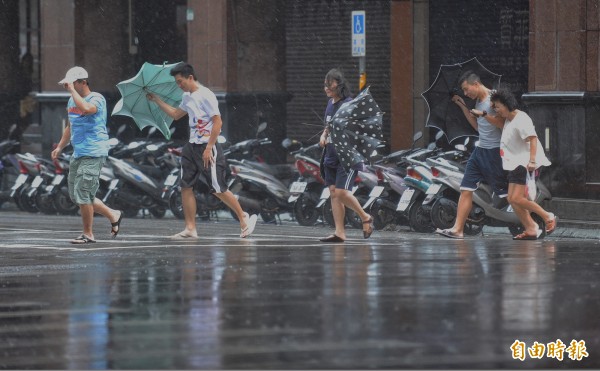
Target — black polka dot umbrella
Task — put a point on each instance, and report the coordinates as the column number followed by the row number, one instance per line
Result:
column 356, row 130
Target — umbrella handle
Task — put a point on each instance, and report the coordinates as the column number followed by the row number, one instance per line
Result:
column 462, row 104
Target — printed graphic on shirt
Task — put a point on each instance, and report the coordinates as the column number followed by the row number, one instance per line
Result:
column 201, row 129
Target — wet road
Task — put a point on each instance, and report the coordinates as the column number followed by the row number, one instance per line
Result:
column 282, row 300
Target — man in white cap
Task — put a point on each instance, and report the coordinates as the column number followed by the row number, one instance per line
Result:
column 86, row 130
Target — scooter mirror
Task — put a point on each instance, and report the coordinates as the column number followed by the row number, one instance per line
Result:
column 221, row 139
column 113, row 142
column 133, row 145
column 121, row 129
column 152, row 147
column 418, row 135
column 286, row 143
column 460, row 147
column 439, row 135
column 261, row 127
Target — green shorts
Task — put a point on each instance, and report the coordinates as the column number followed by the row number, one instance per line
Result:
column 84, row 178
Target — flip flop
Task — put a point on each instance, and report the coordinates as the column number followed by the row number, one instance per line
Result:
column 116, row 224
column 250, row 225
column 551, row 224
column 332, row 238
column 448, row 233
column 369, row 231
column 183, row 236
column 81, row 240
column 527, row 237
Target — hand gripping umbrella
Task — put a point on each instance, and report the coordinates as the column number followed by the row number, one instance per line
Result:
column 356, row 129
column 444, row 114
column 155, row 79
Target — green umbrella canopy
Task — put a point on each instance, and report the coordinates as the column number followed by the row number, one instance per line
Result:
column 155, row 79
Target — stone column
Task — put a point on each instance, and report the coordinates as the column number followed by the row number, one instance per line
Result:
column 238, row 50
column 9, row 65
column 563, row 101
column 409, row 70
column 88, row 34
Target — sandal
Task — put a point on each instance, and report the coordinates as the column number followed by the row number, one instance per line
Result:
column 551, row 224
column 117, row 225
column 527, row 237
column 250, row 225
column 332, row 238
column 184, row 235
column 448, row 233
column 369, row 231
column 83, row 239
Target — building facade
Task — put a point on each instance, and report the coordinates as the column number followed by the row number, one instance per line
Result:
column 266, row 60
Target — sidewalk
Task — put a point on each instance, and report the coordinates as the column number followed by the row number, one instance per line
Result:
column 565, row 229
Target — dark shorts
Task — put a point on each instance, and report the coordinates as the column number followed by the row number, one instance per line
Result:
column 485, row 165
column 338, row 177
column 519, row 175
column 192, row 168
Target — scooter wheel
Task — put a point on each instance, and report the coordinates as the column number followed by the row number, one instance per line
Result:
column 419, row 217
column 382, row 216
column 305, row 209
column 26, row 202
column 269, row 210
column 328, row 214
column 44, row 203
column 158, row 212
column 63, row 203
column 443, row 213
column 175, row 204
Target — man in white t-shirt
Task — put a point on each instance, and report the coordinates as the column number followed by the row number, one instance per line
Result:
column 202, row 157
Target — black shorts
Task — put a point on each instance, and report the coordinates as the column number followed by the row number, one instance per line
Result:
column 192, row 168
column 339, row 178
column 519, row 175
column 485, row 165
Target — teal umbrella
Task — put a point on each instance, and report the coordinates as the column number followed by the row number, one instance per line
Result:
column 155, row 79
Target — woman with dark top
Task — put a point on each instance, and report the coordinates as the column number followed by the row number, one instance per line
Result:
column 339, row 181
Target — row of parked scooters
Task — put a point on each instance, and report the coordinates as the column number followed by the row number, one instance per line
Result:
column 417, row 187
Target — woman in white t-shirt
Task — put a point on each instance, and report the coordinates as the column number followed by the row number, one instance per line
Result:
column 521, row 152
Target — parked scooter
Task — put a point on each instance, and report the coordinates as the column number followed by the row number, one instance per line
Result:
column 488, row 208
column 305, row 191
column 29, row 168
column 207, row 204
column 260, row 191
column 419, row 178
column 133, row 189
column 386, row 198
column 36, row 193
column 9, row 168
column 58, row 190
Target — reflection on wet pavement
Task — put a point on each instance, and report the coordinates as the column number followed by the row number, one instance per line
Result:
column 283, row 300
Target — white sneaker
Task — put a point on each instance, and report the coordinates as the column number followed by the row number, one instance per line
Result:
column 250, row 225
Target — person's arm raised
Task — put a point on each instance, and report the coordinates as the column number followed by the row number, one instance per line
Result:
column 173, row 112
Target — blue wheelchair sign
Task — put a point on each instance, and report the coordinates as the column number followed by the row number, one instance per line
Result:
column 359, row 39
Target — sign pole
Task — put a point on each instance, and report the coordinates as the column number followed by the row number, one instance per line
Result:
column 359, row 45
